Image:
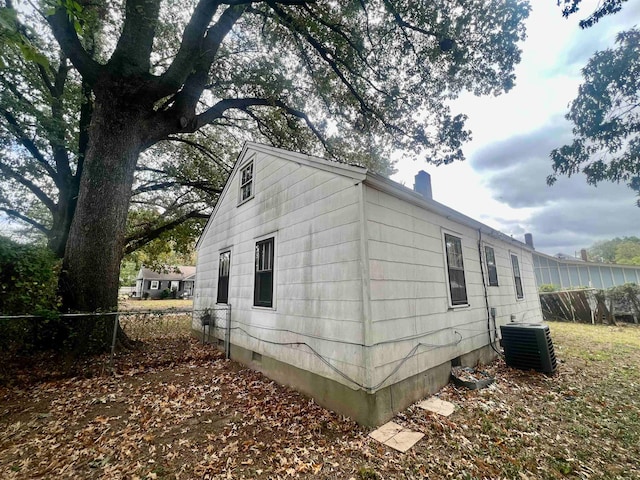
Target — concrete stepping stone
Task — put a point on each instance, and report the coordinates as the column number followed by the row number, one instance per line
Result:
column 395, row 436
column 441, row 407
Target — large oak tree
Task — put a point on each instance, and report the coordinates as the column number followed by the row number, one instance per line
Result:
column 351, row 80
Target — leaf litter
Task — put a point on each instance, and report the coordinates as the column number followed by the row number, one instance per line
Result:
column 179, row 410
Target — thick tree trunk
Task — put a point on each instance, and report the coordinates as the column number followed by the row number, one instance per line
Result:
column 59, row 234
column 89, row 280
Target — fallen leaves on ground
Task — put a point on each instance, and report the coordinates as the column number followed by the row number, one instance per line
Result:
column 177, row 409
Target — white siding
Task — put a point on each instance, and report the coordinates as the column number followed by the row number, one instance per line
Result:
column 314, row 215
column 409, row 289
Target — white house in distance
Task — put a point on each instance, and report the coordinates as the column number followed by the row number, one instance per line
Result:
column 352, row 288
column 178, row 279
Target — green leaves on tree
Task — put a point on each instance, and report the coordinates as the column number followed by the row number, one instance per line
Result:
column 606, row 118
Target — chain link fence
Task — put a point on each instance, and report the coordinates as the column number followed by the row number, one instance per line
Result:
column 82, row 333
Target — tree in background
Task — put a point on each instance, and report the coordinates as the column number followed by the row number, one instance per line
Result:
column 604, row 8
column 625, row 250
column 45, row 112
column 606, row 118
column 606, row 112
column 351, row 81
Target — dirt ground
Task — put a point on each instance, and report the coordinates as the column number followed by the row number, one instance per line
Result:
column 180, row 410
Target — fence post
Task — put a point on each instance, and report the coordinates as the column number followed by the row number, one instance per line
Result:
column 113, row 340
column 227, row 334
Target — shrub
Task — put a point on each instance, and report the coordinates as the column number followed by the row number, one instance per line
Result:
column 28, row 279
column 28, row 284
column 547, row 288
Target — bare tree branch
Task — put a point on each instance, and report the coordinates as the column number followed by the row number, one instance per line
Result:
column 43, row 197
column 138, row 240
column 30, row 221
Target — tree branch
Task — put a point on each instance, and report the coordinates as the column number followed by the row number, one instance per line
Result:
column 202, row 149
column 138, row 240
column 66, row 36
column 204, row 186
column 185, row 59
column 43, row 197
column 14, row 213
column 30, row 145
column 187, row 99
column 132, row 55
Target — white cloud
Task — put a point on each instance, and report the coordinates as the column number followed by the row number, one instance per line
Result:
column 503, row 182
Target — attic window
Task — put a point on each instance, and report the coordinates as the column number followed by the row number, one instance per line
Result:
column 246, row 182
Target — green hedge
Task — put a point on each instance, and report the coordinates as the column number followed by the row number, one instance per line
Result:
column 28, row 279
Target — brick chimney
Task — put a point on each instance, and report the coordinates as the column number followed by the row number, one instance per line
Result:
column 528, row 239
column 583, row 255
column 423, row 184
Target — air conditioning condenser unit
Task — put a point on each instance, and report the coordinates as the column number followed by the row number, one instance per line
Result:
column 528, row 346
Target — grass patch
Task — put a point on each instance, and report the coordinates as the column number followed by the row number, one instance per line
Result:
column 177, row 304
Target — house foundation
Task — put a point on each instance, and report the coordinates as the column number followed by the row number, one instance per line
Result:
column 369, row 409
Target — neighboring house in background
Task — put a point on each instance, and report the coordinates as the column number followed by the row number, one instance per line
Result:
column 151, row 284
column 352, row 288
column 567, row 272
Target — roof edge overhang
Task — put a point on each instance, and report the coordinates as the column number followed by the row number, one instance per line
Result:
column 386, row 185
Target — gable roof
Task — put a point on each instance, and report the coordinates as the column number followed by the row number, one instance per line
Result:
column 178, row 272
column 362, row 174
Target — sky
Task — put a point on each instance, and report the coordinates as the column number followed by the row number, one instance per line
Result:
column 502, row 183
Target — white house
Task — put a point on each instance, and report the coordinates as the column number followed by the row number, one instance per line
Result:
column 176, row 281
column 352, row 288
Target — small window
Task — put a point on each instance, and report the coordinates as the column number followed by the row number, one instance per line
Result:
column 492, row 271
column 223, row 277
column 263, row 287
column 516, row 276
column 155, row 285
column 455, row 269
column 246, row 182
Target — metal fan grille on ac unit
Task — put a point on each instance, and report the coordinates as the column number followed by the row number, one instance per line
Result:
column 528, row 346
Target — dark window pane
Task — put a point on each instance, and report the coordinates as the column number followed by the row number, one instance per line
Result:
column 263, row 288
column 492, row 270
column 246, row 182
column 516, row 276
column 455, row 266
column 223, row 277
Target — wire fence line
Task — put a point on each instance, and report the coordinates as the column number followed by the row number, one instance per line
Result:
column 20, row 334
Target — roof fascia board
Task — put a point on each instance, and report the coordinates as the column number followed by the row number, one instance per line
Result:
column 399, row 191
column 241, row 156
column 343, row 169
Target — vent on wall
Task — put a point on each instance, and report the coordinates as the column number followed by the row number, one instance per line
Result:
column 528, row 346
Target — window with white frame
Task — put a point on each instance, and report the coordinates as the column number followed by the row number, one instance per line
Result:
column 263, row 285
column 155, row 285
column 516, row 276
column 455, row 270
column 224, row 268
column 492, row 270
column 246, row 182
